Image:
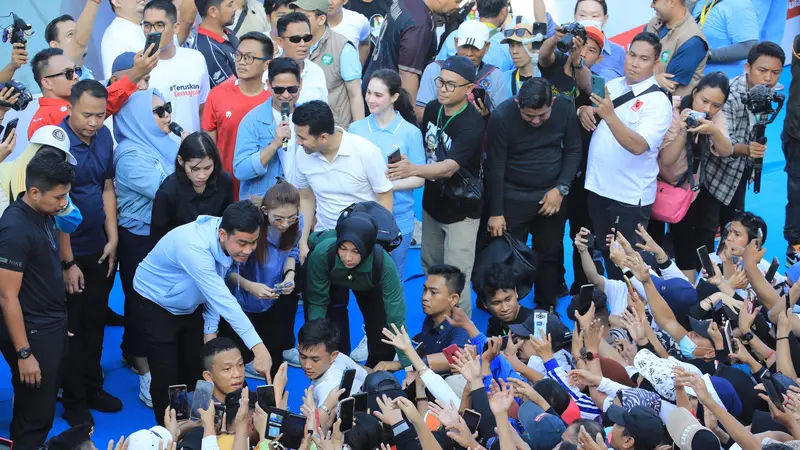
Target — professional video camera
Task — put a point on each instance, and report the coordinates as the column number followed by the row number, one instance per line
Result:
column 570, row 30
column 18, row 31
column 25, row 96
column 759, row 101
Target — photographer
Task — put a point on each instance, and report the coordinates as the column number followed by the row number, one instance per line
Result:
column 8, row 96
column 567, row 72
column 19, row 58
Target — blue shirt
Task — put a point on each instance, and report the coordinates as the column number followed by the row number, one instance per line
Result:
column 186, row 270
column 613, row 63
column 771, row 18
column 349, row 61
column 729, row 22
column 438, row 337
column 256, row 131
column 409, row 139
column 95, row 166
column 500, row 368
column 687, row 57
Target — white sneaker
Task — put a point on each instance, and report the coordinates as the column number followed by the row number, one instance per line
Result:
column 292, row 357
column 360, row 353
column 144, row 390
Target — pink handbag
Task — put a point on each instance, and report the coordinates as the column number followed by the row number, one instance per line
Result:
column 672, row 202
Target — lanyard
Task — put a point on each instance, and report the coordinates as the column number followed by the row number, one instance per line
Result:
column 516, row 77
column 440, row 130
column 706, row 11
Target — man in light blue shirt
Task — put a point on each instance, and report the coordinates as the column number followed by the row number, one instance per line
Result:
column 771, row 19
column 184, row 271
column 731, row 30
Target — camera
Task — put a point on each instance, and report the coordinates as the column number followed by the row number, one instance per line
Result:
column 693, row 120
column 17, row 31
column 24, row 99
column 571, row 31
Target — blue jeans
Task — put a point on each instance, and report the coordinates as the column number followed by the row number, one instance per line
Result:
column 400, row 254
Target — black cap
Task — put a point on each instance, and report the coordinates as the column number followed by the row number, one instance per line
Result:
column 378, row 384
column 555, row 328
column 700, row 327
column 641, row 423
column 460, row 65
column 70, row 439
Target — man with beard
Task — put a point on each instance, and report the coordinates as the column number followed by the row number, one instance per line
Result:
column 217, row 43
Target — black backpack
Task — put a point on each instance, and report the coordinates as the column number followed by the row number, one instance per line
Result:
column 389, row 235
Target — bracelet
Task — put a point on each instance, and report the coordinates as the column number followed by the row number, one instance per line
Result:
column 420, row 399
column 287, row 272
column 399, row 427
column 325, row 409
column 785, row 337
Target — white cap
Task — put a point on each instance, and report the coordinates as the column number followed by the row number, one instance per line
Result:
column 149, row 439
column 54, row 137
column 474, row 33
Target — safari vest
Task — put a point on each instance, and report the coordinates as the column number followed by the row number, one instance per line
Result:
column 327, row 55
column 686, row 29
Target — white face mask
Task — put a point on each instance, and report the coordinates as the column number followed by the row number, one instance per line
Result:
column 592, row 23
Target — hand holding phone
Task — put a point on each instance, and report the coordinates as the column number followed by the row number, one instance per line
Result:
column 705, row 260
column 266, row 396
column 152, row 39
column 348, row 377
column 347, row 414
column 598, row 86
column 179, row 401
column 450, row 353
column 395, row 156
column 202, row 398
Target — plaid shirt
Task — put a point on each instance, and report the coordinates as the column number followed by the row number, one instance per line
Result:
column 723, row 174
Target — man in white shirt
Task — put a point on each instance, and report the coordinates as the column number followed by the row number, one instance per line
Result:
column 623, row 153
column 124, row 34
column 352, row 25
column 317, row 342
column 181, row 74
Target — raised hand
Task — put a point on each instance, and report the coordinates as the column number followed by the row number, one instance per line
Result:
column 447, row 414
column 398, row 338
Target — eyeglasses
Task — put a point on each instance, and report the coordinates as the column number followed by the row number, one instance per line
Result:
column 158, row 27
column 448, row 86
column 247, row 58
column 68, row 73
column 279, row 90
column 296, row 39
column 519, row 32
column 278, row 219
column 163, row 110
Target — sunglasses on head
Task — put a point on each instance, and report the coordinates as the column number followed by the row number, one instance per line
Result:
column 297, row 39
column 279, row 90
column 163, row 110
column 68, row 73
column 519, row 32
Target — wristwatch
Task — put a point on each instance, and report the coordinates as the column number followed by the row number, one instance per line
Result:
column 563, row 189
column 24, row 353
column 588, row 356
column 580, row 64
column 747, row 337
column 66, row 265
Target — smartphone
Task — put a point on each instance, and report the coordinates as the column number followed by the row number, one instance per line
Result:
column 282, row 286
column 266, row 396
column 6, row 444
column 751, row 301
column 760, row 240
column 773, row 269
column 718, row 314
column 152, row 39
column 705, row 260
column 360, row 401
column 479, row 93
column 11, row 125
column 395, row 156
column 540, row 324
column 293, row 429
column 472, row 419
column 591, row 241
column 219, row 414
column 202, row 398
column 503, row 344
column 347, row 411
column 728, row 331
column 348, row 377
column 598, row 86
column 420, row 349
column 615, row 229
column 450, row 353
column 275, row 422
column 773, row 391
column 585, row 298
column 232, row 407
column 179, row 401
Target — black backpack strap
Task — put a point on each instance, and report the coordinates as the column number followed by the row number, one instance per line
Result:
column 377, row 264
column 331, row 258
column 628, row 96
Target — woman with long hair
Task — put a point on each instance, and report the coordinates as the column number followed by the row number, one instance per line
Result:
column 199, row 186
column 391, row 126
column 265, row 285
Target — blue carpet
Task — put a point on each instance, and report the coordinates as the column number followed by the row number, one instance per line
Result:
column 121, row 382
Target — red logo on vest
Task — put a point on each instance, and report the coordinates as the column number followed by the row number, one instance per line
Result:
column 637, row 105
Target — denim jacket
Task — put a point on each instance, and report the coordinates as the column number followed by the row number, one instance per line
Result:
column 256, row 131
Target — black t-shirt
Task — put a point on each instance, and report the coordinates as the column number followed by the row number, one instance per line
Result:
column 462, row 141
column 563, row 84
column 177, row 203
column 29, row 245
column 375, row 11
column 497, row 327
column 792, row 123
column 524, row 162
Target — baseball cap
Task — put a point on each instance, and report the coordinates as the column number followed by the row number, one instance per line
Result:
column 54, row 136
column 679, row 294
column 642, row 423
column 544, row 429
column 122, row 62
column 596, row 35
column 150, row 438
column 474, row 33
column 71, row 438
column 381, row 383
column 312, row 5
column 687, row 433
column 700, row 327
column 520, row 26
column 461, row 65
column 559, row 333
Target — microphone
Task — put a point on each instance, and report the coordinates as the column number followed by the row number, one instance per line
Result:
column 176, row 129
column 285, row 118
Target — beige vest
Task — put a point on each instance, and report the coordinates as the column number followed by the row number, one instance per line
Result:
column 686, row 29
column 327, row 55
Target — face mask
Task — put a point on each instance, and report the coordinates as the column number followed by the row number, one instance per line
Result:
column 687, row 347
column 592, row 23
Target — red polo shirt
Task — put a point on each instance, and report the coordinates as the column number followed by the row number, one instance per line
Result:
column 225, row 108
column 53, row 110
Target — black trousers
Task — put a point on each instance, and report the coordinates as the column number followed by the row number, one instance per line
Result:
column 274, row 328
column 35, row 408
column 174, row 344
column 578, row 214
column 603, row 212
column 83, row 376
column 791, row 152
column 370, row 303
column 547, row 236
column 131, row 251
column 696, row 229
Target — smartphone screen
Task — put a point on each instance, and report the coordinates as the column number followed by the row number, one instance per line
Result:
column 479, row 93
column 152, row 39
column 773, row 391
column 347, row 383
column 705, row 260
column 293, row 429
column 360, row 401
column 472, row 419
column 266, row 396
column 6, row 444
column 598, row 86
column 585, row 298
column 201, row 399
column 232, row 406
column 347, row 413
column 179, row 401
column 773, row 269
column 759, row 239
column 11, row 125
column 395, row 156
column 275, row 423
column 219, row 414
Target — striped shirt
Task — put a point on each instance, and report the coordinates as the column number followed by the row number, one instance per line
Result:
column 589, row 409
column 218, row 52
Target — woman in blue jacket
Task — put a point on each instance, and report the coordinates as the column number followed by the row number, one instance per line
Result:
column 265, row 284
column 144, row 157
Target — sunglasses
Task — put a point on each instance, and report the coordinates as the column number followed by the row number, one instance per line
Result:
column 279, row 90
column 163, row 110
column 296, row 39
column 68, row 73
column 519, row 32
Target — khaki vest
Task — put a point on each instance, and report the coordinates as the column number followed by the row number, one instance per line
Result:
column 672, row 41
column 327, row 55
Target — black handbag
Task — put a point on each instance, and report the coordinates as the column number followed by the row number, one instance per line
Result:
column 462, row 190
column 512, row 252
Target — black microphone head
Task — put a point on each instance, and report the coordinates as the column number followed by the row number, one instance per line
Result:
column 175, row 128
column 285, row 109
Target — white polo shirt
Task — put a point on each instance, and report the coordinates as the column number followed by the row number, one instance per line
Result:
column 314, row 85
column 356, row 174
column 121, row 36
column 332, row 378
column 614, row 172
column 354, row 26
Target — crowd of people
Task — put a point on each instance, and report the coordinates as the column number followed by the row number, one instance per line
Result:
column 242, row 160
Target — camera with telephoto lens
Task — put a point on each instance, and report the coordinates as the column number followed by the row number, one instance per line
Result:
column 17, row 32
column 25, row 96
column 571, row 31
column 693, row 120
